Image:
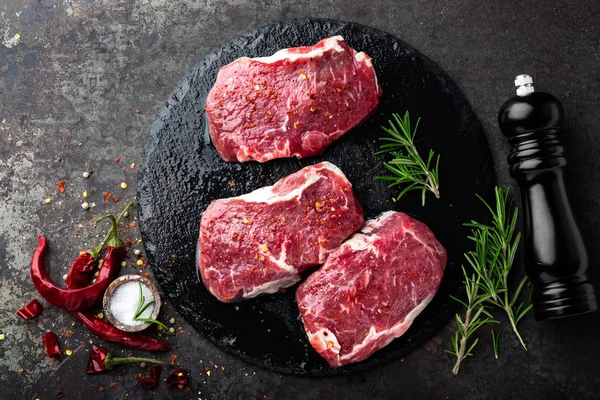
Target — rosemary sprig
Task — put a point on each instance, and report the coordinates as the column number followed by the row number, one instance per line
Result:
column 143, row 306
column 503, row 244
column 486, row 283
column 407, row 166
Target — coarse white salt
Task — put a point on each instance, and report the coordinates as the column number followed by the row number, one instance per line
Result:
column 125, row 299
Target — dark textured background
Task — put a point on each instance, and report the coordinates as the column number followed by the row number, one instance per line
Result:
column 69, row 91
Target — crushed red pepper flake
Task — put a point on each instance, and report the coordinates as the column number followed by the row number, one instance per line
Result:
column 115, row 199
column 98, row 388
column 138, row 111
column 132, row 225
column 107, row 196
column 118, row 160
column 114, row 385
column 61, row 185
column 60, row 394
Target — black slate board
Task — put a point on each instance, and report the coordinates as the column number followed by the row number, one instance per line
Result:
column 182, row 173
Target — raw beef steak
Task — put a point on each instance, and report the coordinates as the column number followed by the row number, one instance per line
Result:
column 259, row 242
column 293, row 103
column 371, row 288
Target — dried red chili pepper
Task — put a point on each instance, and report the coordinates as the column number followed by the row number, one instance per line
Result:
column 82, row 298
column 51, row 343
column 102, row 360
column 178, row 377
column 151, row 380
column 109, row 333
column 32, row 309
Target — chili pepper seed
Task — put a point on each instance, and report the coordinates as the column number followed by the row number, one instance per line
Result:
column 172, row 321
column 123, row 185
column 48, row 201
column 140, row 262
column 143, row 365
column 85, row 205
column 137, row 252
column 68, row 352
column 86, row 174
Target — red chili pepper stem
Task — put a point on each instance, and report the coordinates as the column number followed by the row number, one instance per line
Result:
column 96, row 252
column 114, row 240
column 111, row 361
column 101, row 360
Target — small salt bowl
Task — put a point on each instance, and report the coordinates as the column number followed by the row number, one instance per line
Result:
column 121, row 300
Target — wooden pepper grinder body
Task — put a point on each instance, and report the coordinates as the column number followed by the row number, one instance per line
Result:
column 556, row 260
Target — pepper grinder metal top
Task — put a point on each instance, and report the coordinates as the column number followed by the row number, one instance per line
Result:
column 556, row 260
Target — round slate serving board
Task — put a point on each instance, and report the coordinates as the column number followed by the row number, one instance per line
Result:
column 182, row 173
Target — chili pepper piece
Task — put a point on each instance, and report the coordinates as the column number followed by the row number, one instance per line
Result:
column 32, row 309
column 178, row 377
column 151, row 380
column 97, row 360
column 101, row 360
column 51, row 344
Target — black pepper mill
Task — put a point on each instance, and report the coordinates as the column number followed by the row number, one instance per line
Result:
column 555, row 257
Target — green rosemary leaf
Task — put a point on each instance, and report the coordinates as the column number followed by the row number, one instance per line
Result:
column 518, row 290
column 140, row 302
column 146, row 307
column 496, row 342
column 459, row 300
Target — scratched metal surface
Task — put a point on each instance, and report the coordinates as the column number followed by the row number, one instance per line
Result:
column 76, row 56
